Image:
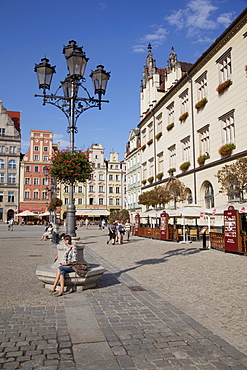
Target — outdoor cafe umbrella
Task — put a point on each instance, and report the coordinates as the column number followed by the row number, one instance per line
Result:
column 219, row 210
column 26, row 213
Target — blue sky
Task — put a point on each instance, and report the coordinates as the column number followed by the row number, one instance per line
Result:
column 114, row 33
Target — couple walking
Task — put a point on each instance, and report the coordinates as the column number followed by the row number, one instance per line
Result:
column 117, row 231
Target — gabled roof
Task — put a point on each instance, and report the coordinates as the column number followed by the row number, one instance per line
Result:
column 16, row 118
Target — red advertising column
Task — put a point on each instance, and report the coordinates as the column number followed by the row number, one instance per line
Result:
column 231, row 229
column 164, row 226
column 137, row 224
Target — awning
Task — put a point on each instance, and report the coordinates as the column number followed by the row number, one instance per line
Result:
column 92, row 212
column 27, row 213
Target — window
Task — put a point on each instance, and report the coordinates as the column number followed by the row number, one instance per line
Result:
column 36, row 181
column 172, row 156
column 91, row 188
column 117, row 177
column 225, row 66
column 186, row 149
column 160, row 162
column 79, row 201
column 117, row 202
column 36, row 148
column 101, row 189
column 98, row 165
column 27, row 181
column 209, row 195
column 111, row 189
column 66, row 200
column 36, row 168
column 36, row 195
column 2, row 149
column 1, row 178
column 204, row 140
column 12, row 149
column 150, row 131
column 117, row 189
column 1, row 196
column 45, row 182
column 151, row 167
column 101, row 177
column 111, row 201
column 45, row 158
column 11, row 178
column 1, row 163
column 90, row 201
column 110, row 177
column 2, row 131
column 12, row 164
column 66, row 189
column 27, row 194
column 228, row 129
column 189, row 196
column 44, row 194
column 45, row 148
column 101, row 201
column 116, row 166
column 184, row 101
column 170, row 111
column 36, row 157
column 159, row 123
column 144, row 136
column 79, row 189
column 202, row 86
column 144, row 167
column 27, row 168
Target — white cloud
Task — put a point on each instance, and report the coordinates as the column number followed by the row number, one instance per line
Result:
column 60, row 138
column 197, row 18
column 156, row 38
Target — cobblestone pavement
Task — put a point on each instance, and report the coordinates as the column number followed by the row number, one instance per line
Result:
column 151, row 310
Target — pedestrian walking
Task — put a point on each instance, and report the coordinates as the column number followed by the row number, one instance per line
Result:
column 86, row 223
column 11, row 224
column 112, row 233
column 120, row 231
column 127, row 228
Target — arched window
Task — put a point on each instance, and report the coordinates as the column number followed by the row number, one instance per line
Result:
column 189, row 196
column 1, row 163
column 12, row 164
column 209, row 195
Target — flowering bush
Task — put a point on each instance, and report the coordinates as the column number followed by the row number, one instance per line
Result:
column 158, row 135
column 55, row 202
column 183, row 116
column 226, row 149
column 170, row 126
column 201, row 103
column 67, row 166
column 184, row 166
column 222, row 87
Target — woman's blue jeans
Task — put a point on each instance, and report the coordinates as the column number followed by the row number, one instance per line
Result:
column 65, row 269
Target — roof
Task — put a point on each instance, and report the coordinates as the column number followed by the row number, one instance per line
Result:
column 16, row 118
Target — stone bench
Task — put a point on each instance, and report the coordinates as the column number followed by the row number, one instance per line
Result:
column 47, row 274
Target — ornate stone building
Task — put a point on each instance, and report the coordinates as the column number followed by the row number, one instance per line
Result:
column 10, row 142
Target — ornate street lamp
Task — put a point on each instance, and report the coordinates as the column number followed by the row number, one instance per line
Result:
column 70, row 104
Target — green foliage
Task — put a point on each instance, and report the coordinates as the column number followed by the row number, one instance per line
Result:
column 55, row 202
column 67, row 166
column 122, row 216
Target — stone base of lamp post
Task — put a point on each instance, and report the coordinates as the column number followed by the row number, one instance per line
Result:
column 47, row 274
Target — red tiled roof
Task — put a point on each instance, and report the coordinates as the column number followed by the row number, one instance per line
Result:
column 16, row 118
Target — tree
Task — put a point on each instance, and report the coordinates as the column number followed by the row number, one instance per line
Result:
column 176, row 190
column 122, row 216
column 233, row 179
column 154, row 197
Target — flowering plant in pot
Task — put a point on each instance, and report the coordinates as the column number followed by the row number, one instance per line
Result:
column 183, row 117
column 223, row 86
column 170, row 126
column 159, row 176
column 171, row 171
column 55, row 202
column 143, row 147
column 201, row 159
column 158, row 136
column 226, row 150
column 184, row 166
column 150, row 142
column 201, row 103
column 150, row 179
column 144, row 182
column 70, row 167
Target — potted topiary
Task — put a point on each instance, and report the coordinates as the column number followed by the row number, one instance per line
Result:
column 184, row 166
column 223, row 86
column 226, row 150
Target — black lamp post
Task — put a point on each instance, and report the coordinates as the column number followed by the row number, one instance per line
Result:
column 70, row 104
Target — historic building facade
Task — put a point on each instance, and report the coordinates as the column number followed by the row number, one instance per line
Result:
column 189, row 112
column 10, row 143
column 36, row 187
